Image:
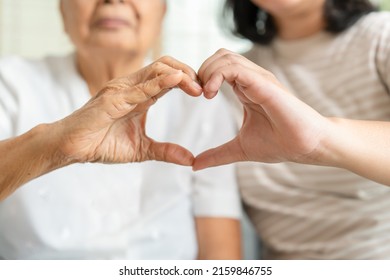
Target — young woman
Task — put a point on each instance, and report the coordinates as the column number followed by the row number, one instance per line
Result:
column 334, row 55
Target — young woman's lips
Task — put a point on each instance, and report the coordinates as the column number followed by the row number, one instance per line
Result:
column 111, row 23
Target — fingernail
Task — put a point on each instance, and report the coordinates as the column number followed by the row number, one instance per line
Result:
column 196, row 85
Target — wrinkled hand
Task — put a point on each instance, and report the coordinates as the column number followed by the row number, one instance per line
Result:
column 277, row 126
column 110, row 128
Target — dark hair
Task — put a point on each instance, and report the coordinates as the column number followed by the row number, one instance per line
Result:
column 339, row 15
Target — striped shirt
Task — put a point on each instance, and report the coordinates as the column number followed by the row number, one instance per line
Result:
column 312, row 212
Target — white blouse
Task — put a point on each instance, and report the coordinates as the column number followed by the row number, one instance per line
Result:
column 95, row 211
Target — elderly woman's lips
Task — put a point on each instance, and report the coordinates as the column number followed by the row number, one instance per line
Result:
column 111, row 23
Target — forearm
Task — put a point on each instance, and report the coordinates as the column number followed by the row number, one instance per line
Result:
column 28, row 156
column 219, row 238
column 362, row 147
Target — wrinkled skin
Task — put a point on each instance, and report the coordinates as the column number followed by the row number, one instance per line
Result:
column 110, row 128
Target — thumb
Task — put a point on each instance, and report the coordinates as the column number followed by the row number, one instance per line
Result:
column 224, row 154
column 171, row 153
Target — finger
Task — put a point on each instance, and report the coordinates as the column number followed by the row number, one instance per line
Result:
column 257, row 87
column 211, row 88
column 152, row 89
column 225, row 154
column 171, row 153
column 224, row 60
column 189, row 83
column 174, row 63
column 214, row 83
column 205, row 65
column 190, row 87
column 213, row 69
column 160, row 68
column 163, row 83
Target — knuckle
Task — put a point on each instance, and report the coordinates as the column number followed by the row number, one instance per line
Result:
column 106, row 99
column 165, row 58
column 106, row 91
column 269, row 75
column 222, row 51
column 231, row 58
column 157, row 65
column 141, row 92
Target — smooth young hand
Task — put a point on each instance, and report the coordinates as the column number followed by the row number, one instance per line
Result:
column 277, row 126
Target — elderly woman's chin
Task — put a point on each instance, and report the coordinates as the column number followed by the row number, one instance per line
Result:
column 115, row 41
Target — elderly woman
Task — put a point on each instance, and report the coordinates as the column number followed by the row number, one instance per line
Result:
column 333, row 55
column 91, row 211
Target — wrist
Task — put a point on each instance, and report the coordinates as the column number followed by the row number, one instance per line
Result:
column 330, row 151
column 47, row 139
column 27, row 157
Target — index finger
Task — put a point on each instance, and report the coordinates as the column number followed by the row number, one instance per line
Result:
column 218, row 54
column 176, row 64
column 168, row 65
